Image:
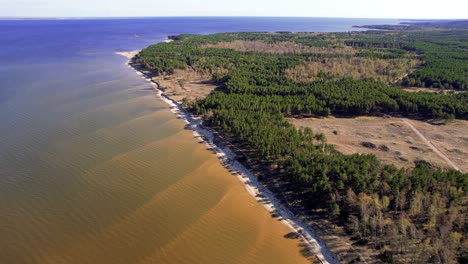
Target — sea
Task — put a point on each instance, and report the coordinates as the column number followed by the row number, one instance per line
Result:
column 95, row 168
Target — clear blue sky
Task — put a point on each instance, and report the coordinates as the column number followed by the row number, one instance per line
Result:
column 294, row 8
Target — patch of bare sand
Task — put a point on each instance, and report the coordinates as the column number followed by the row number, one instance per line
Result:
column 185, row 83
column 450, row 138
column 431, row 90
column 283, row 47
column 395, row 142
column 128, row 54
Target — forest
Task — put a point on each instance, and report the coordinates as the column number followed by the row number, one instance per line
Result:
column 410, row 215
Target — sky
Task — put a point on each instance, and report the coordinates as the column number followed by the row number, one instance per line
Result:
column 417, row 9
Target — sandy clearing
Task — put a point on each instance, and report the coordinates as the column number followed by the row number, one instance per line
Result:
column 185, row 84
column 432, row 146
column 128, row 54
column 395, row 142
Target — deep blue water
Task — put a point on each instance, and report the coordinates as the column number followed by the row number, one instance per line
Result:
column 32, row 40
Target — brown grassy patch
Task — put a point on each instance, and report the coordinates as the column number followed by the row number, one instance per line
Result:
column 431, row 90
column 186, row 83
column 389, row 70
column 396, row 142
column 279, row 47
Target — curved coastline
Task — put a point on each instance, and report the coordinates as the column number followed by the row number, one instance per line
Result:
column 262, row 195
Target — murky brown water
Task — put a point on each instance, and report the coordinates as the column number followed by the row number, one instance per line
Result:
column 94, row 168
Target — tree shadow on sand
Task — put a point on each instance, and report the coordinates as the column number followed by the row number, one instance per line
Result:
column 304, row 248
column 292, row 235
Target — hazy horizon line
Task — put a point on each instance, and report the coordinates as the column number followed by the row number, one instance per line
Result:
column 212, row 16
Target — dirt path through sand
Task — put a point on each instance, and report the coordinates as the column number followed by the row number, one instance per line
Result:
column 429, row 143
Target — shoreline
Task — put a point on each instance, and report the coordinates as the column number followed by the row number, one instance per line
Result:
column 131, row 54
column 262, row 195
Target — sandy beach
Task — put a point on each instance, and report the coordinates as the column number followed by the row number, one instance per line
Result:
column 130, row 54
column 316, row 246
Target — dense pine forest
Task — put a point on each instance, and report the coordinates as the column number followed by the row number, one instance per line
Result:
column 410, row 215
